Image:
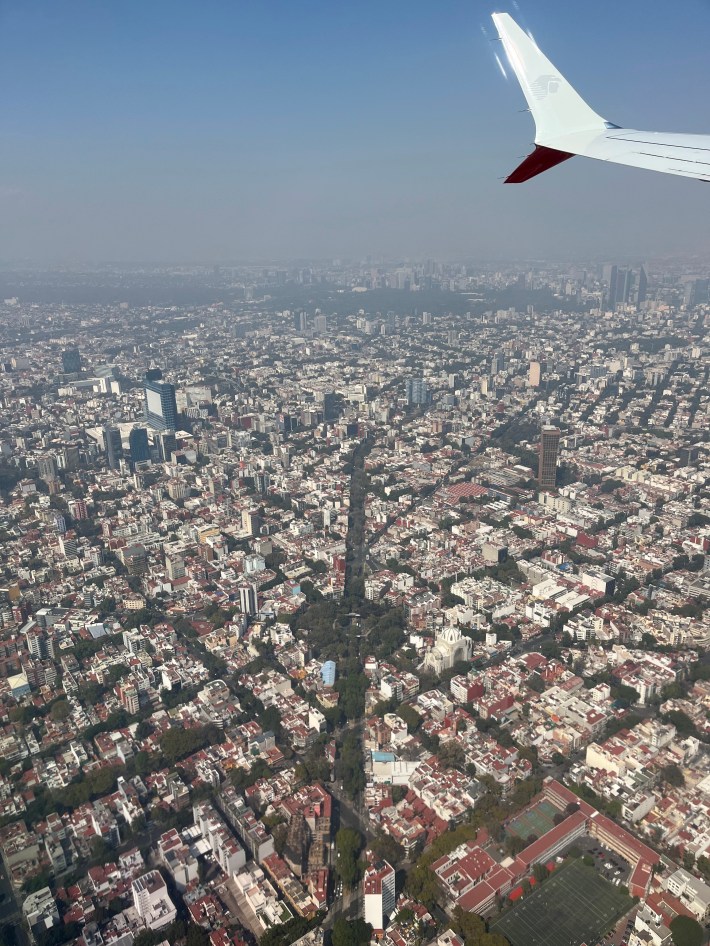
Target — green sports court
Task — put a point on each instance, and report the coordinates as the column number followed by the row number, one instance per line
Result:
column 537, row 820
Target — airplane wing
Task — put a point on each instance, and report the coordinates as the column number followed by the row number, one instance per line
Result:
column 566, row 126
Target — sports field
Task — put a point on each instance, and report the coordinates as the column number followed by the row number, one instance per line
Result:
column 537, row 820
column 573, row 906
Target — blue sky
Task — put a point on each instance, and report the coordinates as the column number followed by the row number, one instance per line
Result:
column 227, row 129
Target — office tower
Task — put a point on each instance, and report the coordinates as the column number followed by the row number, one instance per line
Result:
column 69, row 545
column 251, row 523
column 167, row 445
column 160, row 405
column 378, row 886
column 417, row 392
column 300, row 321
column 47, row 468
column 138, row 445
column 534, row 374
column 262, row 481
column 70, row 458
column 549, row 446
column 697, row 292
column 642, row 288
column 624, row 286
column 248, row 602
column 331, row 406
column 113, row 446
column 320, row 324
column 154, row 374
column 71, row 361
column 609, row 276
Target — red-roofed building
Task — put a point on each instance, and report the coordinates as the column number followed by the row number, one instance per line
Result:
column 551, row 843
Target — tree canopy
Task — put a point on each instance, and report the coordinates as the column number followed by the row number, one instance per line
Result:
column 686, row 932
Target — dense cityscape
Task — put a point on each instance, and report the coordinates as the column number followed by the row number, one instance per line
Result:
column 355, row 601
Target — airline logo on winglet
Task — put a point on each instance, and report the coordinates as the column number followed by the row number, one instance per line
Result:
column 544, row 86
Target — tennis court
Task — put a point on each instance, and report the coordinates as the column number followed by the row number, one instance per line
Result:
column 537, row 820
column 575, row 905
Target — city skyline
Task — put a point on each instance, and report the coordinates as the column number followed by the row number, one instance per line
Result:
column 167, row 133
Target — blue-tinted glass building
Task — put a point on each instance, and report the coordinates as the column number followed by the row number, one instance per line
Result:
column 160, row 405
column 138, row 444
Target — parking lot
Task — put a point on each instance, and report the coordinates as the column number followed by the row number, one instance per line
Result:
column 606, row 863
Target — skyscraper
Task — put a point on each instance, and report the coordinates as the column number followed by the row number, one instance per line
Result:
column 113, row 446
column 331, row 406
column 138, row 445
column 417, row 392
column 71, row 361
column 47, row 467
column 534, row 374
column 167, row 444
column 642, row 288
column 248, row 602
column 549, row 446
column 160, row 405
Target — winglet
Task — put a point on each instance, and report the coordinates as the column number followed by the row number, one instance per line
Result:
column 556, row 107
column 541, row 159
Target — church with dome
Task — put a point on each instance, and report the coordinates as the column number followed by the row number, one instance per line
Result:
column 450, row 646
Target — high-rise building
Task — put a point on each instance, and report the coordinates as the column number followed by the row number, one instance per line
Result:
column 417, row 392
column 697, row 292
column 47, row 468
column 78, row 509
column 549, row 447
column 609, row 277
column 160, row 405
column 175, row 566
column 70, row 458
column 378, row 886
column 331, row 406
column 623, row 286
column 113, row 446
column 251, row 523
column 128, row 697
column 167, row 445
column 642, row 287
column 152, row 902
column 534, row 374
column 138, row 445
column 71, row 361
column 248, row 602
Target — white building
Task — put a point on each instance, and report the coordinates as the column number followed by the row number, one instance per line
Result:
column 151, row 900
column 379, row 894
column 229, row 854
column 693, row 893
column 40, row 910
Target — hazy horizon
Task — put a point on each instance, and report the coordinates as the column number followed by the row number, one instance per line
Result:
column 167, row 132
